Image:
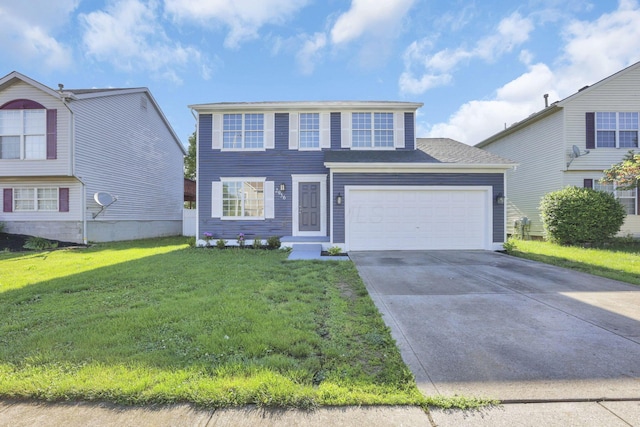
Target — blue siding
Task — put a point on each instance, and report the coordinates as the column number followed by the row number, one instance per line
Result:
column 336, row 131
column 205, row 133
column 409, row 132
column 496, row 180
column 277, row 165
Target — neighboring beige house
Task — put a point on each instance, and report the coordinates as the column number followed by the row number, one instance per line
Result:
column 66, row 154
column 570, row 143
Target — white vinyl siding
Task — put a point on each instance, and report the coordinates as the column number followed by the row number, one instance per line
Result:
column 75, row 200
column 133, row 156
column 537, row 173
column 35, row 163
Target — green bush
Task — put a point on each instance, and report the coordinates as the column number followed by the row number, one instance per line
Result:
column 580, row 215
column 273, row 242
column 39, row 244
column 334, row 250
column 257, row 243
column 221, row 243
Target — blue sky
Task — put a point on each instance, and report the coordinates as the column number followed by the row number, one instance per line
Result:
column 476, row 65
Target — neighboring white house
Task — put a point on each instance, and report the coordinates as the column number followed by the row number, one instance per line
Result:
column 570, row 143
column 60, row 148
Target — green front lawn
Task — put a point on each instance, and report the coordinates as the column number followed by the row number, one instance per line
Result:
column 619, row 261
column 155, row 321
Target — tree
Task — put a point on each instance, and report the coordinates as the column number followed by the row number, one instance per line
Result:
column 190, row 158
column 625, row 174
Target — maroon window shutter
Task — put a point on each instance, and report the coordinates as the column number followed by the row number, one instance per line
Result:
column 588, row 183
column 7, row 205
column 63, row 200
column 52, row 134
column 590, row 123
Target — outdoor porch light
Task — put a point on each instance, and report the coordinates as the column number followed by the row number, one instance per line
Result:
column 339, row 199
column 283, row 187
column 500, row 199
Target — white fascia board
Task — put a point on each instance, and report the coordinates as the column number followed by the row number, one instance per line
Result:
column 416, row 167
column 308, row 105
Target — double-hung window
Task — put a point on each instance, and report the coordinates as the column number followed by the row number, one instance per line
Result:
column 35, row 199
column 243, row 199
column 243, row 131
column 372, row 130
column 616, row 130
column 309, row 130
column 626, row 197
column 23, row 134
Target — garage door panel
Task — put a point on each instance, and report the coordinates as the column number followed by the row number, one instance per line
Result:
column 416, row 219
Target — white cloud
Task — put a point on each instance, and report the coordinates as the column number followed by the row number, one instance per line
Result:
column 592, row 50
column 243, row 17
column 310, row 53
column 436, row 69
column 28, row 31
column 369, row 17
column 128, row 35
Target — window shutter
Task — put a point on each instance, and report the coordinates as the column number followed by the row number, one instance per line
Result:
column 216, row 132
column 345, row 142
column 325, row 130
column 216, row 199
column 269, row 133
column 398, row 130
column 638, row 201
column 293, row 131
column 63, row 200
column 7, row 205
column 269, row 199
column 588, row 183
column 590, row 131
column 52, row 134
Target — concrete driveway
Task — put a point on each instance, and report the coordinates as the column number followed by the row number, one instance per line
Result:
column 480, row 323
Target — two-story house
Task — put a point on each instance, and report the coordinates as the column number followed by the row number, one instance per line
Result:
column 88, row 164
column 347, row 174
column 570, row 143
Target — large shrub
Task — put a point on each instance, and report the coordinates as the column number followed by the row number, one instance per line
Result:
column 580, row 215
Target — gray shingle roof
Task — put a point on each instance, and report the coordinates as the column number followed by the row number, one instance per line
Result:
column 429, row 150
column 446, row 150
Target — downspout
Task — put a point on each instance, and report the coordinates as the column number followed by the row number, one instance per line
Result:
column 197, row 118
column 72, row 163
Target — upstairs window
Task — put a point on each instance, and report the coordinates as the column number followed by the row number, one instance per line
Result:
column 23, row 134
column 616, row 130
column 372, row 130
column 309, row 130
column 243, row 131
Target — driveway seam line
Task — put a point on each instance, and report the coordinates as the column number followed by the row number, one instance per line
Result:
column 614, row 414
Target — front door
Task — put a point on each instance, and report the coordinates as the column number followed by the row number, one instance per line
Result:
column 309, row 206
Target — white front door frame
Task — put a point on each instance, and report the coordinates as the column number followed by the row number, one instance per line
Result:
column 295, row 180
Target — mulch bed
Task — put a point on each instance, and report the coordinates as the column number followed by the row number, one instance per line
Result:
column 15, row 242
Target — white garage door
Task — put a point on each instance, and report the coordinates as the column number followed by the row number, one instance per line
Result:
column 416, row 218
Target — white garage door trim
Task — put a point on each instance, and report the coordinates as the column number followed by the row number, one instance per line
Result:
column 485, row 242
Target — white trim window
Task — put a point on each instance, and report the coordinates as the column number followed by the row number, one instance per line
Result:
column 628, row 198
column 35, row 199
column 243, row 199
column 309, row 130
column 243, row 131
column 616, row 130
column 23, row 134
column 372, row 130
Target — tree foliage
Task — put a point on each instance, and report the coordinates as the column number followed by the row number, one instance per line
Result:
column 576, row 215
column 190, row 158
column 625, row 174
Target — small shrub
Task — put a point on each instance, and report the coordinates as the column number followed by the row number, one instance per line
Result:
column 241, row 240
column 334, row 250
column 221, row 243
column 510, row 245
column 273, row 242
column 257, row 243
column 191, row 241
column 576, row 215
column 39, row 244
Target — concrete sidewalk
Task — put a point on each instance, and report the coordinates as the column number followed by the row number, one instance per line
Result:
column 611, row 414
